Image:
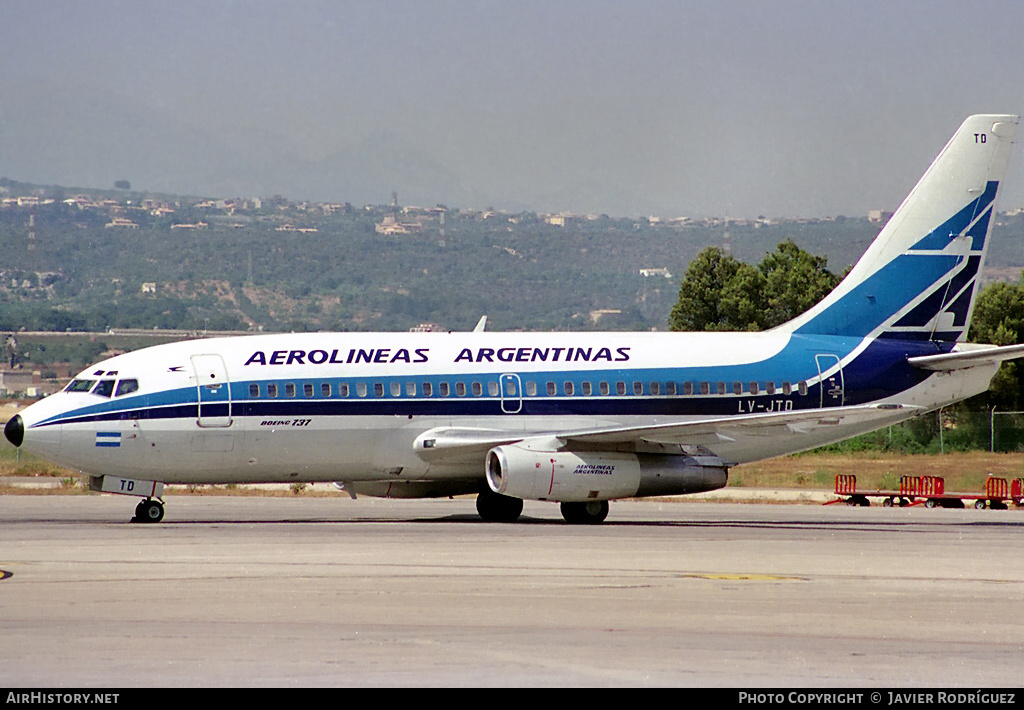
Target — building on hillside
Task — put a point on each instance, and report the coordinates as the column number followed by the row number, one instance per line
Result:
column 600, row 313
column 658, row 271
column 121, row 222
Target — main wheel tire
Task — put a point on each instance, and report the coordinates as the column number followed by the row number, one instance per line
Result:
column 496, row 508
column 591, row 512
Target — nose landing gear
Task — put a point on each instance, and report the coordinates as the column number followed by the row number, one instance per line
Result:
column 148, row 511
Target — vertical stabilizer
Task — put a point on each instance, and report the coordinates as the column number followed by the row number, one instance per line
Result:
column 918, row 279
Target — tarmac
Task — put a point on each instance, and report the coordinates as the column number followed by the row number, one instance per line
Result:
column 297, row 591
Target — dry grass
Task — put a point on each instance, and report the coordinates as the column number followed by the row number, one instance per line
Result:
column 963, row 472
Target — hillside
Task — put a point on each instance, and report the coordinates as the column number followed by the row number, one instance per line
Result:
column 92, row 260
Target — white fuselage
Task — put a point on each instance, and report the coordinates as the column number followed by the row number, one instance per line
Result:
column 350, row 407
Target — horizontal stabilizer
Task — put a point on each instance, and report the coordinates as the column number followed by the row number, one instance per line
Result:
column 975, row 357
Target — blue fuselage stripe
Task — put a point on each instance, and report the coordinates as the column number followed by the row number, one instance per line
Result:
column 880, row 371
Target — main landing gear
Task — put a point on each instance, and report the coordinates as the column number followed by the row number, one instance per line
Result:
column 592, row 512
column 496, row 508
column 149, row 510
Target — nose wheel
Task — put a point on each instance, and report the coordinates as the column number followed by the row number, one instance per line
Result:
column 149, row 510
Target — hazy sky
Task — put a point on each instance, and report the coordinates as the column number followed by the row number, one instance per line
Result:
column 726, row 108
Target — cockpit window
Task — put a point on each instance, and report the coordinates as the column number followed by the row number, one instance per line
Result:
column 126, row 387
column 105, row 388
column 80, row 386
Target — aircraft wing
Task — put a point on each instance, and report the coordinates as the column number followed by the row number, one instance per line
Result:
column 710, row 431
column 451, row 442
column 974, row 357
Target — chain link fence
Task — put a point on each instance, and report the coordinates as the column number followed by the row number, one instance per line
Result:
column 944, row 431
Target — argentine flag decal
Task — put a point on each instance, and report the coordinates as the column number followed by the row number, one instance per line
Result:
column 108, row 438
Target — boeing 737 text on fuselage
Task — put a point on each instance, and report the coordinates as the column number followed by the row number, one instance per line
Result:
column 575, row 418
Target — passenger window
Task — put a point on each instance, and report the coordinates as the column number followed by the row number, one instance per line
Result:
column 343, row 389
column 254, row 390
column 396, row 389
column 360, row 389
column 620, row 387
column 551, row 388
column 428, row 389
column 753, row 388
column 410, row 389
column 271, row 390
column 787, row 389
column 802, row 387
column 378, row 389
column 492, row 388
column 325, row 389
column 603, row 388
column 705, row 388
column 289, row 389
column 443, row 389
column 670, row 388
column 687, row 388
column 638, row 388
column 307, row 389
column 587, row 391
column 478, row 389
column 105, row 388
column 655, row 388
column 126, row 387
column 737, row 388
column 721, row 388
column 568, row 387
column 769, row 387
column 531, row 389
column 460, row 389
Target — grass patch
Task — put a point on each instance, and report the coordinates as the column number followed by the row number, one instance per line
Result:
column 963, row 472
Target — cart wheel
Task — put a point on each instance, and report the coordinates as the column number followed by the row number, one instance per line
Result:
column 980, row 504
column 931, row 503
column 887, row 503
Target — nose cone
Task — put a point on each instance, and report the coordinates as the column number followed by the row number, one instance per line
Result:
column 15, row 430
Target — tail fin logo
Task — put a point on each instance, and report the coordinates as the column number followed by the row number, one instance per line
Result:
column 919, row 278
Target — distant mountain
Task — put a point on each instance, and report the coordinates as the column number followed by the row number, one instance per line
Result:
column 61, row 134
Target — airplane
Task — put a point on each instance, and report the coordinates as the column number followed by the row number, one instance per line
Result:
column 574, row 418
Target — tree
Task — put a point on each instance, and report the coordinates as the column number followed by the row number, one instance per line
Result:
column 721, row 293
column 998, row 319
column 795, row 280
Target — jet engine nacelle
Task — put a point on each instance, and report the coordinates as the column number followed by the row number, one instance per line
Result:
column 518, row 471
